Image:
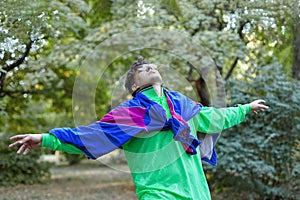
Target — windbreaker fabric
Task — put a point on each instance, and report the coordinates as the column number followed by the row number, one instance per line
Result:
column 133, row 117
column 160, row 167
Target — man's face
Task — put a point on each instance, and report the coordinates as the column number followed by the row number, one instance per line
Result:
column 146, row 74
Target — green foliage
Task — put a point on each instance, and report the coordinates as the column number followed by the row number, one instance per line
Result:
column 249, row 31
column 47, row 72
column 74, row 158
column 100, row 12
column 3, row 114
column 38, row 91
column 39, row 94
column 19, row 169
column 261, row 156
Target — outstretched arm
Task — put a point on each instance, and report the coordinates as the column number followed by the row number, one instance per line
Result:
column 213, row 120
column 26, row 142
column 33, row 141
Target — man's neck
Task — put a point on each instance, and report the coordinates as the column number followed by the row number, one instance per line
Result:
column 157, row 88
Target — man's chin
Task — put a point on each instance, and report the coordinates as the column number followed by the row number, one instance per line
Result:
column 151, row 83
column 154, row 83
column 155, row 80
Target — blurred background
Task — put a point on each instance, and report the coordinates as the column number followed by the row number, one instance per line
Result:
column 62, row 63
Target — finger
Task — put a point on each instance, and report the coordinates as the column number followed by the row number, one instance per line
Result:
column 22, row 148
column 261, row 106
column 17, row 143
column 24, row 139
column 17, row 137
column 260, row 101
column 26, row 151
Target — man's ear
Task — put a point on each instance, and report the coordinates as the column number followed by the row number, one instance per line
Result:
column 134, row 87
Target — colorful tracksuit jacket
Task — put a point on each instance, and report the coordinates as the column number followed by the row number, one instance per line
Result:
column 159, row 137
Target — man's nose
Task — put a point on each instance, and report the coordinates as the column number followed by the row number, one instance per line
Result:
column 149, row 68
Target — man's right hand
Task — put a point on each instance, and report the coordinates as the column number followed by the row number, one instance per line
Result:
column 27, row 142
column 258, row 105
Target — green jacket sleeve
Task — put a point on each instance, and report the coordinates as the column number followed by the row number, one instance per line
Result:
column 50, row 141
column 213, row 120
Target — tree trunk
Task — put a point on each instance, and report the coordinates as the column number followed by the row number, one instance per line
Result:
column 296, row 40
column 202, row 91
column 200, row 85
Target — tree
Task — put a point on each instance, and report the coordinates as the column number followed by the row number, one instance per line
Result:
column 39, row 50
column 234, row 33
column 262, row 154
column 70, row 56
column 295, row 15
column 29, row 32
column 239, row 36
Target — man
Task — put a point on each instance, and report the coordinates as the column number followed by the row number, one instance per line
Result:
column 157, row 130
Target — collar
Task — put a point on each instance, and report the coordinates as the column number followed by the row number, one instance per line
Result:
column 148, row 90
column 151, row 93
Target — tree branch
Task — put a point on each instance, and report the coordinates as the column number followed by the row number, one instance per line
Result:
column 21, row 59
column 241, row 28
column 234, row 64
column 231, row 68
column 4, row 93
column 18, row 62
column 16, row 93
column 2, row 78
column 196, row 30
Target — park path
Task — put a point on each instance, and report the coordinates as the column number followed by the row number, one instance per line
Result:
column 83, row 182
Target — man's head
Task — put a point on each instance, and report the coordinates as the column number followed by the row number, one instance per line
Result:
column 141, row 74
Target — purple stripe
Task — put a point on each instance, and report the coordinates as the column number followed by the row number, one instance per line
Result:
column 130, row 116
column 174, row 114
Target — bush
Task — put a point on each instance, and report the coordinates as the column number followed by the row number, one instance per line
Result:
column 260, row 157
column 74, row 159
column 16, row 169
